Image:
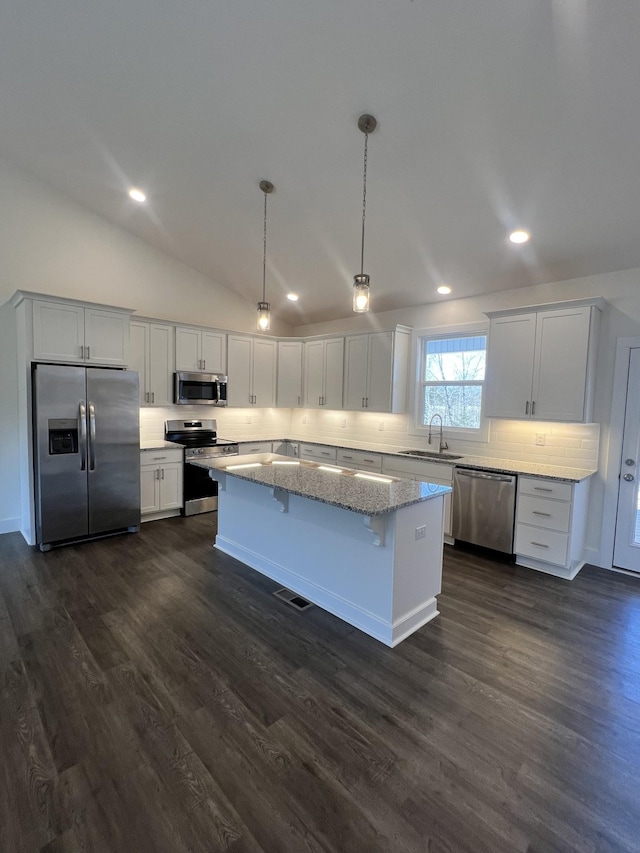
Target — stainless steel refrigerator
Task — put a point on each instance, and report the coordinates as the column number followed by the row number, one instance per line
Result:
column 86, row 452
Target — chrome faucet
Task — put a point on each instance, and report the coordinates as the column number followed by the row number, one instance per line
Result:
column 442, row 444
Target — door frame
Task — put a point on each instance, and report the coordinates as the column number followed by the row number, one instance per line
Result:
column 614, row 453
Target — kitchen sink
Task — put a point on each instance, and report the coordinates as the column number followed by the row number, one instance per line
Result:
column 431, row 454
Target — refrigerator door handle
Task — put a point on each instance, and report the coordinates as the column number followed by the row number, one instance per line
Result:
column 92, row 437
column 82, row 417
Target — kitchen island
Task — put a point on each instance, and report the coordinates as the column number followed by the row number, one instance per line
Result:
column 367, row 548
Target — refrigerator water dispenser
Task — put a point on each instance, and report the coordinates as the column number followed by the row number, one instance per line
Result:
column 63, row 436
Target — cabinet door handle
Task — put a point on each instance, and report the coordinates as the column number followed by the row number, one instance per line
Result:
column 146, row 396
column 204, row 363
column 366, row 402
column 157, row 473
column 162, row 469
column 539, row 544
column 298, row 399
column 346, row 456
column 526, row 408
column 81, row 351
column 362, row 404
column 319, row 401
column 88, row 352
column 533, row 407
column 153, row 396
column 545, row 514
column 541, row 489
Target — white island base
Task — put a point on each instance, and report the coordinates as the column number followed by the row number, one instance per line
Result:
column 379, row 573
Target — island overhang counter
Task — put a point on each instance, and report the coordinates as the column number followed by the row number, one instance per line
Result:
column 365, row 547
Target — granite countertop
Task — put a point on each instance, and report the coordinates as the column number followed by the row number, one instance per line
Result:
column 160, row 444
column 565, row 473
column 348, row 490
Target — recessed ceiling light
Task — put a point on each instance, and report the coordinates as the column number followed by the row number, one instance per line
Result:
column 519, row 236
column 137, row 195
column 292, row 297
column 444, row 289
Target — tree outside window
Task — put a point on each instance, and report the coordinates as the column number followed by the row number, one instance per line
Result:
column 453, row 379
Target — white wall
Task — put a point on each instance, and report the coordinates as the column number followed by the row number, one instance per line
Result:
column 10, row 508
column 50, row 244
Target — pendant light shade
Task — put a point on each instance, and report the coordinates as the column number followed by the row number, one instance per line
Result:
column 361, row 294
column 367, row 124
column 264, row 309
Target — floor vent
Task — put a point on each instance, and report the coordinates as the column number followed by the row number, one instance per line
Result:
column 293, row 599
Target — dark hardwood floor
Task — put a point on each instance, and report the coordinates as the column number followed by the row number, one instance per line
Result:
column 156, row 697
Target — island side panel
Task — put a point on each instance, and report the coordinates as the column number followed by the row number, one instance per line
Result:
column 330, row 556
column 321, row 552
column 417, row 566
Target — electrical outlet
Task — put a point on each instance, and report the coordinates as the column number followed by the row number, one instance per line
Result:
column 421, row 532
column 343, row 422
column 304, row 419
column 540, row 438
column 248, row 419
column 381, row 426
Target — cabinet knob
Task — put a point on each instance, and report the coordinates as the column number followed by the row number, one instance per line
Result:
column 629, row 461
column 629, row 478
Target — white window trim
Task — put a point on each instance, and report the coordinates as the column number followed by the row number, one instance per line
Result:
column 415, row 382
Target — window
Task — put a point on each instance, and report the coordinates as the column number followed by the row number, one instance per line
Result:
column 451, row 380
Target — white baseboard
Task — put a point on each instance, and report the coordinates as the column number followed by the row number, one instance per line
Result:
column 386, row 632
column 10, row 525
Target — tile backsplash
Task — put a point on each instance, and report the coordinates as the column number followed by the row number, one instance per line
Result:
column 235, row 424
column 575, row 445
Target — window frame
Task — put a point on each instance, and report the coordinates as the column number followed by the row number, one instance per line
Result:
column 481, row 434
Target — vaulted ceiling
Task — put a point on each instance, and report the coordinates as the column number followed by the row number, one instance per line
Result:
column 492, row 115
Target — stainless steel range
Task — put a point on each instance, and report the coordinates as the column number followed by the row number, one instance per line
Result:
column 200, row 440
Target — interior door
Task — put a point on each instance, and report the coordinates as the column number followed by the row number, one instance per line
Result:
column 626, row 554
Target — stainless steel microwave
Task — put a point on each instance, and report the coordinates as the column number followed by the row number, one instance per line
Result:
column 200, row 389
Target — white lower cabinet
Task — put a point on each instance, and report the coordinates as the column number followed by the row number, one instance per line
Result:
column 161, row 477
column 318, row 452
column 255, row 447
column 551, row 525
column 360, row 459
column 427, row 472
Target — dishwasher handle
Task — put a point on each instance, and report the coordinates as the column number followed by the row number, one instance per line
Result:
column 481, row 475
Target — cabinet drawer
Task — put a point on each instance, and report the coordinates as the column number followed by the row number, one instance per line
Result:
column 546, row 545
column 552, row 515
column 357, row 459
column 258, row 447
column 318, row 451
column 154, row 457
column 545, row 488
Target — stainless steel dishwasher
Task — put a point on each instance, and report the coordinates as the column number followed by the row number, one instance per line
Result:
column 484, row 506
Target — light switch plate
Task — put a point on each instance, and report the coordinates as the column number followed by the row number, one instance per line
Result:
column 540, row 439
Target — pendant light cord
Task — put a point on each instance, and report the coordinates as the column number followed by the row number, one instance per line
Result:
column 364, row 201
column 264, row 253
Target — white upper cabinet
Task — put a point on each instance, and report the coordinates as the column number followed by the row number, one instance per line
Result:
column 200, row 350
column 152, row 356
column 375, row 371
column 252, row 371
column 323, row 369
column 289, row 382
column 540, row 364
column 79, row 334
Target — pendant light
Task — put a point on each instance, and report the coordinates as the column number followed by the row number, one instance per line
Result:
column 264, row 309
column 367, row 124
